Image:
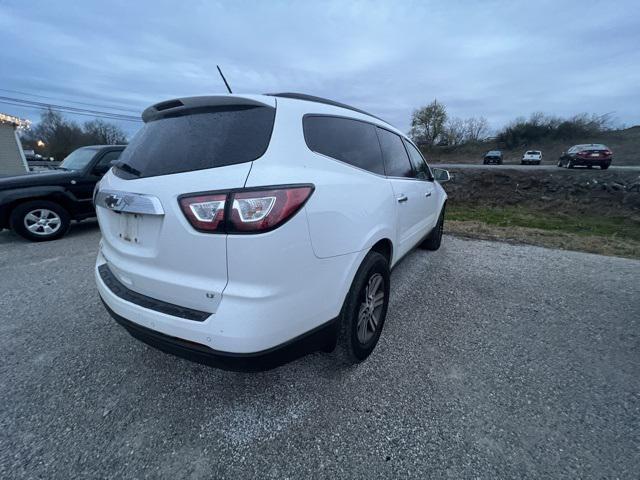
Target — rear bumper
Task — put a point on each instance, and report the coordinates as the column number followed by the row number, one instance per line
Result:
column 321, row 338
column 589, row 161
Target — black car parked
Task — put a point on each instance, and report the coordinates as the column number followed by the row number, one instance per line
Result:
column 40, row 206
column 587, row 155
column 493, row 156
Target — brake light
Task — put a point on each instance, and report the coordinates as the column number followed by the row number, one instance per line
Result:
column 244, row 211
column 205, row 212
column 262, row 210
column 608, row 152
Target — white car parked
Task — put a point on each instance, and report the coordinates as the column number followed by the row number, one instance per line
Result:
column 531, row 157
column 245, row 230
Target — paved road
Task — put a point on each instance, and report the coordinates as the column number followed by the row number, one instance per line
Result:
column 476, row 166
column 497, row 361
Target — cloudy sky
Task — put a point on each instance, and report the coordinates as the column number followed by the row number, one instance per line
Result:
column 499, row 59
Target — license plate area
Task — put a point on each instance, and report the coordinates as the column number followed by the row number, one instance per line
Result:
column 129, row 227
column 595, row 154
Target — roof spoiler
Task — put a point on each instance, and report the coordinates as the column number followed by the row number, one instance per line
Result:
column 177, row 105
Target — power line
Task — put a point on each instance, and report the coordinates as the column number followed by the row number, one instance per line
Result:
column 62, row 109
column 68, row 109
column 110, row 107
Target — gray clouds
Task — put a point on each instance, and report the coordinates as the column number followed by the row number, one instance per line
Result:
column 499, row 59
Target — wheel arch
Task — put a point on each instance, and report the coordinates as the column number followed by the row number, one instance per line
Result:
column 11, row 199
column 384, row 247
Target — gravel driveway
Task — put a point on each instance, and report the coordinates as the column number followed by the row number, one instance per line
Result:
column 496, row 361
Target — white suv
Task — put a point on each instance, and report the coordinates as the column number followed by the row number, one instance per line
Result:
column 245, row 230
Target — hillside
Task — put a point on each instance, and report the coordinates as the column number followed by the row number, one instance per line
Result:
column 625, row 145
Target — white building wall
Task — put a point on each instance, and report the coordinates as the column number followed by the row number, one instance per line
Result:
column 12, row 160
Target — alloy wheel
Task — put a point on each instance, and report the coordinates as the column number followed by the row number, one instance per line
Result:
column 370, row 309
column 42, row 221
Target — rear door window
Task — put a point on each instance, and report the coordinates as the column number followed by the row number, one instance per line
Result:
column 396, row 160
column 417, row 160
column 344, row 139
column 196, row 140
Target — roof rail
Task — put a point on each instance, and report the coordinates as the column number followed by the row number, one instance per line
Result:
column 326, row 101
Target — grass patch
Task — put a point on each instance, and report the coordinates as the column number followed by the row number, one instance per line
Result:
column 573, row 223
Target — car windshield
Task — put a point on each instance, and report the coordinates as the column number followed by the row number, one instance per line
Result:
column 78, row 159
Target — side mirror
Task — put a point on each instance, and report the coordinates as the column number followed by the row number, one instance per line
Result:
column 441, row 175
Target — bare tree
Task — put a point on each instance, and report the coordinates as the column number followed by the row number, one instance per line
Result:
column 55, row 136
column 428, row 123
column 476, row 128
column 455, row 131
column 103, row 133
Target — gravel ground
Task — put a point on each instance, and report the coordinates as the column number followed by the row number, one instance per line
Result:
column 497, row 361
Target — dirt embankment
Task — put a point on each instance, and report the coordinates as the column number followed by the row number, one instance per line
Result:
column 594, row 192
column 625, row 145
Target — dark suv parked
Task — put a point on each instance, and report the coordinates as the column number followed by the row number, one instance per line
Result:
column 493, row 156
column 40, row 206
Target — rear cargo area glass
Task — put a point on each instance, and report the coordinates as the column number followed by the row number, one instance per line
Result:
column 196, row 140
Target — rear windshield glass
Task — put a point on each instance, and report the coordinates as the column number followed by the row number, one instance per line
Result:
column 195, row 140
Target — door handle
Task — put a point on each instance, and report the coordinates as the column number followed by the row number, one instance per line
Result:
column 402, row 198
column 428, row 194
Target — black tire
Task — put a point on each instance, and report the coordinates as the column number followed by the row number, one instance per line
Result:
column 57, row 220
column 569, row 163
column 434, row 240
column 349, row 347
column 560, row 163
column 604, row 166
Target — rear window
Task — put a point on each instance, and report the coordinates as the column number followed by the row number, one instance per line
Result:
column 195, row 140
column 344, row 139
column 533, row 152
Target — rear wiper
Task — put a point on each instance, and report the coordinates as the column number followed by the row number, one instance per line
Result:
column 128, row 168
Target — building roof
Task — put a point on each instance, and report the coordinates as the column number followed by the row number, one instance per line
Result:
column 15, row 121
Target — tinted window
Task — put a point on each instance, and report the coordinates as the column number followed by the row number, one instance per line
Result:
column 347, row 140
column 419, row 165
column 195, row 140
column 396, row 161
column 108, row 158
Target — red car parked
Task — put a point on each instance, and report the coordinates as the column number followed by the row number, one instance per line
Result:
column 587, row 155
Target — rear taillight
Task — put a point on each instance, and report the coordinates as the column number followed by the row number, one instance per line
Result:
column 244, row 211
column 608, row 152
column 205, row 212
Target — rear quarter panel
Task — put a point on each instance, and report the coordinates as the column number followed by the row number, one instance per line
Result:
column 350, row 210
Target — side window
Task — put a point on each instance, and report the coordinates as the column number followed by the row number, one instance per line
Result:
column 109, row 158
column 105, row 163
column 344, row 139
column 419, row 165
column 396, row 161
